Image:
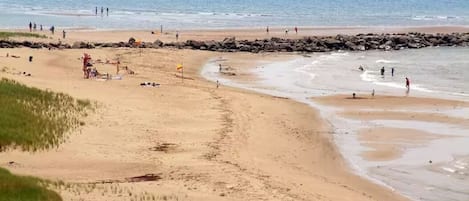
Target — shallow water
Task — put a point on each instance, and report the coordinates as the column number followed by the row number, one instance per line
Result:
column 434, row 72
column 188, row 14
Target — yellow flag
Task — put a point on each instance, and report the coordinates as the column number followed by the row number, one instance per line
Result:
column 179, row 67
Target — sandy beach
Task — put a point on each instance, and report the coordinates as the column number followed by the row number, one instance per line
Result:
column 203, row 143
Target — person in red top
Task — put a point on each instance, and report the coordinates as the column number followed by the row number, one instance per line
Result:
column 86, row 60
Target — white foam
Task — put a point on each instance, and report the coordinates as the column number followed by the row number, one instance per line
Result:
column 448, row 169
column 386, row 61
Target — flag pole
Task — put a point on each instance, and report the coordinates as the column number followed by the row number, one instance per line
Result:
column 182, row 73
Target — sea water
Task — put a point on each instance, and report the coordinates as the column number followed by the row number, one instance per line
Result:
column 441, row 72
column 200, row 14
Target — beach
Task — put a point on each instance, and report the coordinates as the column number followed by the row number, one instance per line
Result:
column 397, row 138
column 202, row 142
column 281, row 126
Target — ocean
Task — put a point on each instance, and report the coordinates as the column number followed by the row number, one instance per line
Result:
column 440, row 72
column 210, row 14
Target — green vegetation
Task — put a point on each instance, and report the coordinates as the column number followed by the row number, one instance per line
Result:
column 6, row 35
column 33, row 119
column 13, row 188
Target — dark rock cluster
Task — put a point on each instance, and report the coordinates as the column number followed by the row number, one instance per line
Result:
column 360, row 42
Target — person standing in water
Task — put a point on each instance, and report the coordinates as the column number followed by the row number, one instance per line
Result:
column 102, row 10
column 392, row 72
column 30, row 26
column 107, row 11
column 407, row 83
column 96, row 11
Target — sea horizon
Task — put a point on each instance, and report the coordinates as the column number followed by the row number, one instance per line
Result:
column 210, row 14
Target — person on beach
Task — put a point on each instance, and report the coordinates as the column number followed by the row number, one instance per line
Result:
column 117, row 66
column 267, row 30
column 286, row 32
column 296, row 30
column 392, row 72
column 177, row 35
column 52, row 29
column 30, row 26
column 361, row 68
column 382, row 71
column 102, row 10
column 63, row 34
column 219, row 67
column 34, row 26
column 407, row 83
column 40, row 27
column 218, row 84
column 107, row 11
column 96, row 11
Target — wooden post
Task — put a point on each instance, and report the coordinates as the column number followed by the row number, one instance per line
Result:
column 182, row 74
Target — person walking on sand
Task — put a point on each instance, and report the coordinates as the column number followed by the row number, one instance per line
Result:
column 63, row 34
column 382, row 71
column 177, row 35
column 52, row 29
column 267, row 30
column 296, row 30
column 30, row 26
column 392, row 72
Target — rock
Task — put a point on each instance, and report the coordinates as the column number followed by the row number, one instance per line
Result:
column 131, row 40
column 158, row 43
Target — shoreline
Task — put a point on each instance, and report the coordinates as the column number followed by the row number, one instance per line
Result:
column 388, row 107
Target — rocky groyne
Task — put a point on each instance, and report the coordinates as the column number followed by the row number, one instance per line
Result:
column 360, row 42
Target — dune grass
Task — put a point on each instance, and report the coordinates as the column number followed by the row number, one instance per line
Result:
column 6, row 35
column 14, row 188
column 33, row 119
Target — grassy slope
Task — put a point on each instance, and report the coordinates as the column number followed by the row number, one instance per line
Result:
column 16, row 188
column 32, row 119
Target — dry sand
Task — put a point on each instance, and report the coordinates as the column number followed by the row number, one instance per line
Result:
column 199, row 142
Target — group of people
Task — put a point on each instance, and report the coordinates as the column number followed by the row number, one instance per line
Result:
column 102, row 11
column 267, row 30
column 33, row 27
column 382, row 71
